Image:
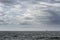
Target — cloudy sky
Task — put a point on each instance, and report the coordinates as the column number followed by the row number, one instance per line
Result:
column 30, row 15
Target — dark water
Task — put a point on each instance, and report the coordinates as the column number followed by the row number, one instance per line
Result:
column 29, row 35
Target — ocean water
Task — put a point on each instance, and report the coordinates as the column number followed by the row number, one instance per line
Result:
column 29, row 35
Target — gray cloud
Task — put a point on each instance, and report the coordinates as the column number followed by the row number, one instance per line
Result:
column 8, row 2
column 38, row 13
column 54, row 19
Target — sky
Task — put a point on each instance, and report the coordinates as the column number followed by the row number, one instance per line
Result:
column 29, row 15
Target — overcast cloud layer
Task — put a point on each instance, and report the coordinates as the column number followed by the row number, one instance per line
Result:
column 43, row 14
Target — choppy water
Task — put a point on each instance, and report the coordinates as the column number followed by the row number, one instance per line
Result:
column 29, row 35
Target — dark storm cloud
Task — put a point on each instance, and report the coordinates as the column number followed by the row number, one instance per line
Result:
column 55, row 17
column 8, row 2
column 23, row 0
column 50, row 1
column 28, row 18
column 25, row 23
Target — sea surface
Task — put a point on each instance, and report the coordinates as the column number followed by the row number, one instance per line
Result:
column 29, row 35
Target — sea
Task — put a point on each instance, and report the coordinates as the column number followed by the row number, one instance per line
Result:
column 29, row 35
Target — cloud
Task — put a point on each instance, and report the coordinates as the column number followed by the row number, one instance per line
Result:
column 42, row 14
column 54, row 19
column 30, row 12
column 8, row 2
